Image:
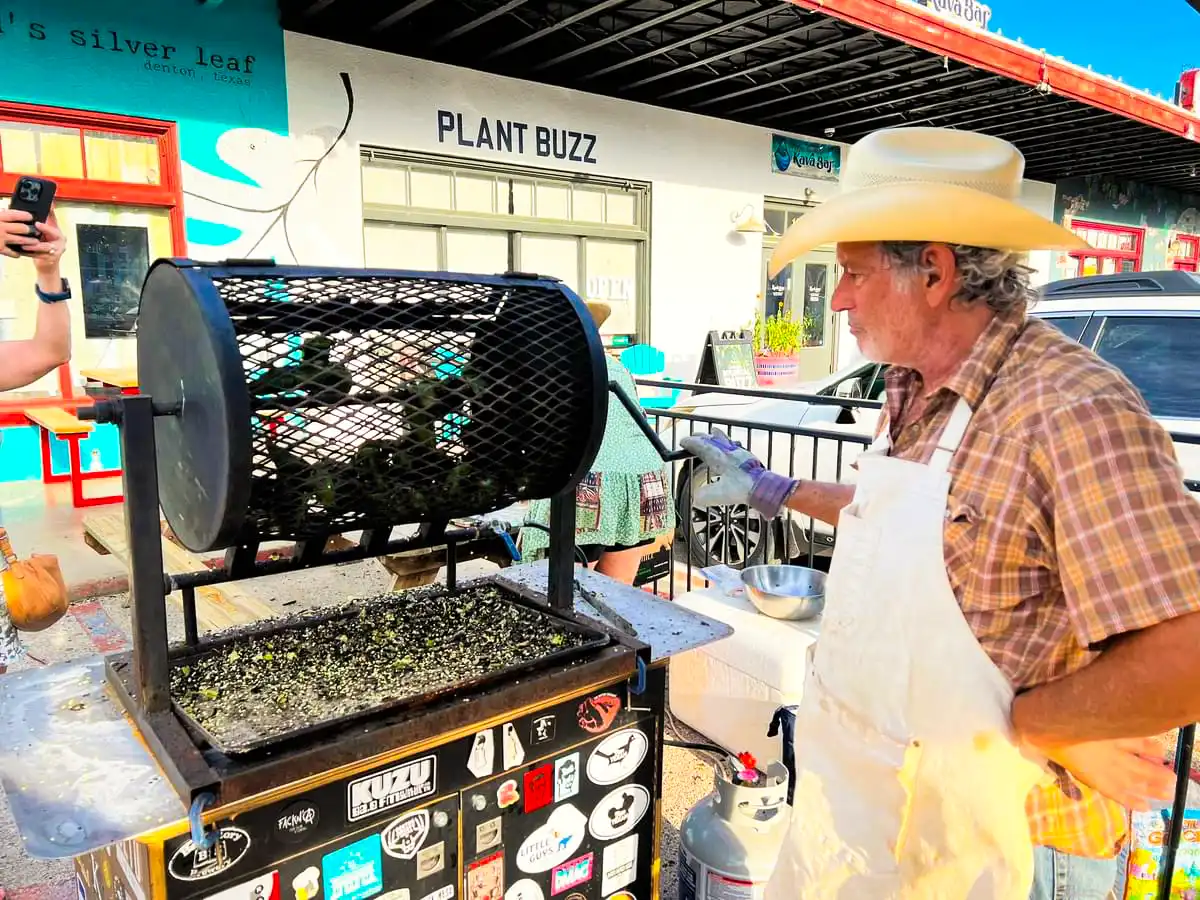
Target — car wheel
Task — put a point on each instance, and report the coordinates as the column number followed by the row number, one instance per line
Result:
column 735, row 536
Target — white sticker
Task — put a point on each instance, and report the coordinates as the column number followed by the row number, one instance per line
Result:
column 617, row 757
column 620, row 865
column 307, row 884
column 405, row 835
column 514, row 752
column 619, row 812
column 443, row 893
column 543, row 729
column 431, row 860
column 482, row 761
column 396, row 786
column 566, row 777
column 487, row 835
column 264, row 887
column 525, row 889
column 192, row 863
column 401, row 894
column 555, row 842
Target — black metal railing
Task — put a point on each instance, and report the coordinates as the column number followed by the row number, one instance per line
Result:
column 820, row 450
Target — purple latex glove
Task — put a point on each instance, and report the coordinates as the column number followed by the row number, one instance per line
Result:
column 742, row 478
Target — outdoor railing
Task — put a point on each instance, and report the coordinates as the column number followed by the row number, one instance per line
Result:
column 825, row 451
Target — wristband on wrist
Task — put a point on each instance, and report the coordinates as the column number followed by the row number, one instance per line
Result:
column 55, row 297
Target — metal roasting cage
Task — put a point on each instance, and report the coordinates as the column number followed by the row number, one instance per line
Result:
column 319, row 401
column 286, row 403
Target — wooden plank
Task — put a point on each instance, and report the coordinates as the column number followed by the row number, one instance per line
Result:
column 58, row 421
column 217, row 606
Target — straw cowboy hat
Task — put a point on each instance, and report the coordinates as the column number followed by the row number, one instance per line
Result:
column 600, row 312
column 927, row 184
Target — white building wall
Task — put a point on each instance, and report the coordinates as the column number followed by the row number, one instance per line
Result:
column 702, row 172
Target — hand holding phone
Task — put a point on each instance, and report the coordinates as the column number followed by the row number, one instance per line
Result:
column 27, row 227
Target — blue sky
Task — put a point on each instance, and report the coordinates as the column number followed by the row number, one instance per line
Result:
column 1145, row 43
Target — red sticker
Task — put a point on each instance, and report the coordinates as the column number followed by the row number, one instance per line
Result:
column 539, row 788
column 596, row 714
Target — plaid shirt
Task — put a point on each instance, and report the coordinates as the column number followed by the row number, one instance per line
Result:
column 1068, row 524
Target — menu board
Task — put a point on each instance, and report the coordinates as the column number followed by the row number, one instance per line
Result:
column 728, row 360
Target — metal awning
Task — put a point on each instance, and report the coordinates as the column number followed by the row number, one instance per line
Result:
column 837, row 72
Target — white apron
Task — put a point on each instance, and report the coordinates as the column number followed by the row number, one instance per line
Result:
column 907, row 782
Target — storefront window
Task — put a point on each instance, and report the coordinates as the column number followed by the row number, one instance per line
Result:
column 113, row 261
column 41, row 150
column 450, row 215
column 1114, row 249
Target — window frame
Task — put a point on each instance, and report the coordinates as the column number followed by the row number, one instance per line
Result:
column 167, row 194
column 1134, row 255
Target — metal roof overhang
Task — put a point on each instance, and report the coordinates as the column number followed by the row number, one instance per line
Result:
column 824, row 68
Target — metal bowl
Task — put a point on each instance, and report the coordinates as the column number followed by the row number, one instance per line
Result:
column 792, row 593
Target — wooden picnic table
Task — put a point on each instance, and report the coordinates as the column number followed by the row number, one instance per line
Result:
column 124, row 377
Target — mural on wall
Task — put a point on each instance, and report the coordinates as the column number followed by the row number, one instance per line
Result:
column 216, row 70
column 278, row 216
column 1118, row 201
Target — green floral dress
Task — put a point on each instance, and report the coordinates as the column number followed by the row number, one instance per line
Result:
column 626, row 498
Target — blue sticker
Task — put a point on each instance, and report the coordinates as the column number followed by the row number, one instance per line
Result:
column 354, row 872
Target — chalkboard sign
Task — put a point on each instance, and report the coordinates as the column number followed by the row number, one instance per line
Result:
column 728, row 360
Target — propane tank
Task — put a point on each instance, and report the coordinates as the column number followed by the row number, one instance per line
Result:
column 730, row 840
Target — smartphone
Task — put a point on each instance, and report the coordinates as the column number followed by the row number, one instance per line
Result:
column 35, row 196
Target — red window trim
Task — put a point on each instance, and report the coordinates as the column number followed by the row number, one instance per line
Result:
column 1134, row 255
column 166, row 195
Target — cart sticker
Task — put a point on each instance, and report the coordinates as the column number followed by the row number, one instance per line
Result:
column 543, row 729
column 572, row 874
column 354, row 872
column 617, row 757
column 431, row 860
column 81, row 891
column 404, row 836
column 487, row 835
column 391, row 788
column 296, row 820
column 401, row 894
column 440, row 819
column 507, row 794
column 264, row 887
column 442, row 893
column 619, row 868
column 307, row 884
column 566, row 777
column 525, row 889
column 192, row 863
column 539, row 788
column 596, row 714
column 482, row 761
column 485, row 878
column 620, row 895
column 619, row 812
column 553, row 843
column 514, row 752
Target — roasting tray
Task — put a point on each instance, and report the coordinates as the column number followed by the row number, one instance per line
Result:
column 182, row 655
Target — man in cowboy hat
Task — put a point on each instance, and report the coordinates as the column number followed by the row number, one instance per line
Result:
column 1019, row 528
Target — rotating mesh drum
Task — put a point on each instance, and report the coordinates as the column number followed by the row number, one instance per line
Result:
column 318, row 401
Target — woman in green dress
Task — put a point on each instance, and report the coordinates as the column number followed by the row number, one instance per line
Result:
column 623, row 506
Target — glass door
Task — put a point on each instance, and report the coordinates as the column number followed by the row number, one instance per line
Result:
column 803, row 290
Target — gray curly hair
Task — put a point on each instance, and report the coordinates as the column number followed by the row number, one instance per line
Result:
column 999, row 278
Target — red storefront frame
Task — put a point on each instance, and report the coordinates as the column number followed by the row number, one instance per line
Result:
column 1188, row 253
column 1126, row 258
column 168, row 195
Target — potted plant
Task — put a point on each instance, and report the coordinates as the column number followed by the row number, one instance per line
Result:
column 777, row 342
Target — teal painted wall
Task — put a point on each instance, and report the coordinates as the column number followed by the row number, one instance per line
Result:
column 213, row 70
column 1119, row 201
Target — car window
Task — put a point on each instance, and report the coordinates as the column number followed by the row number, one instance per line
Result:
column 1071, row 326
column 1160, row 355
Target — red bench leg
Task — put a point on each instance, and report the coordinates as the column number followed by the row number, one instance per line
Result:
column 77, row 497
column 48, row 476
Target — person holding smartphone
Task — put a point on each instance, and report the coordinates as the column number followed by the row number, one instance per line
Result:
column 24, row 362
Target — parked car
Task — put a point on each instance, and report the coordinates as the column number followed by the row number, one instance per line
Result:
column 1147, row 324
